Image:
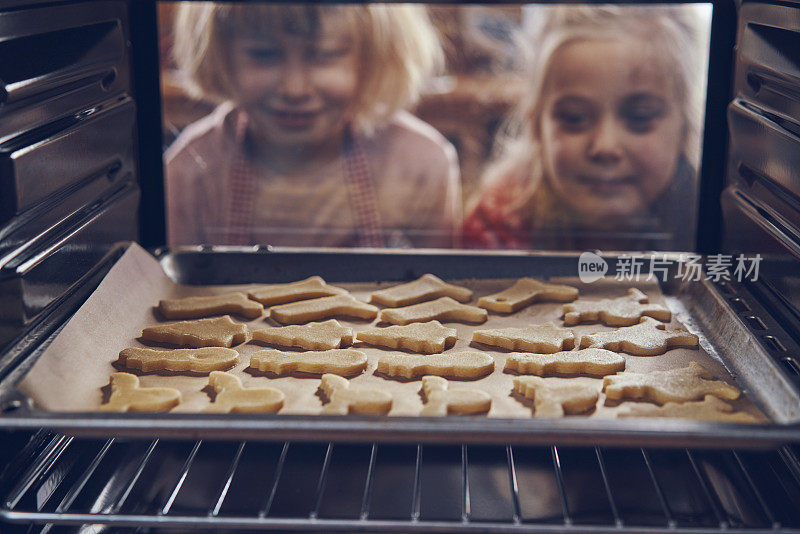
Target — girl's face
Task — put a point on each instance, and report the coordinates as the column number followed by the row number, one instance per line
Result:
column 298, row 90
column 610, row 128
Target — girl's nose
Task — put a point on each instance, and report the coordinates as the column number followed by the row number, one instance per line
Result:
column 295, row 84
column 605, row 145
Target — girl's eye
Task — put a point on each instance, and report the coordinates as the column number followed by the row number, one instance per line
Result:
column 266, row 56
column 572, row 120
column 641, row 113
column 642, row 120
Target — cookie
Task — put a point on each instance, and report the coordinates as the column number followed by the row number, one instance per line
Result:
column 214, row 332
column 543, row 338
column 689, row 383
column 621, row 311
column 524, row 292
column 313, row 336
column 322, row 308
column 440, row 401
column 427, row 338
column 128, row 396
column 443, row 309
column 648, row 338
column 556, row 397
column 196, row 307
column 589, row 362
column 709, row 409
column 310, row 288
column 202, row 360
column 343, row 400
column 343, row 362
column 427, row 287
column 463, row 365
column 233, row 397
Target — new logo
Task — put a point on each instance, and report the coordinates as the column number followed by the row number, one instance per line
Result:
column 591, row 267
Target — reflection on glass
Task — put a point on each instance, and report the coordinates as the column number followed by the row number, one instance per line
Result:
column 369, row 125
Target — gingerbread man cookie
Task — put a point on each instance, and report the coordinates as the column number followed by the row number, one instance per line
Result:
column 322, row 308
column 313, row 336
column 343, row 362
column 443, row 309
column 427, row 287
column 674, row 385
column 621, row 311
column 202, row 360
column 427, row 338
column 648, row 338
column 310, row 288
column 196, row 307
column 555, row 397
column 543, row 338
column 233, row 397
column 213, row 332
column 128, row 396
column 590, row 362
column 343, row 399
column 709, row 409
column 465, row 365
column 440, row 401
column 524, row 292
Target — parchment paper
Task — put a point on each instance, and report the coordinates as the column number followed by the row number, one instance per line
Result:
column 73, row 372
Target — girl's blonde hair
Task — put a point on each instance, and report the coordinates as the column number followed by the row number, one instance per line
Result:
column 398, row 48
column 670, row 33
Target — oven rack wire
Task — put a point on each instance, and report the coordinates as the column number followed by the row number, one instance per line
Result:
column 226, row 485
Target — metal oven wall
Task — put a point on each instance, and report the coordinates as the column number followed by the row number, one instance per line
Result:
column 68, row 159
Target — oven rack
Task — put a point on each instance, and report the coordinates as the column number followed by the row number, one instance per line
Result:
column 223, row 485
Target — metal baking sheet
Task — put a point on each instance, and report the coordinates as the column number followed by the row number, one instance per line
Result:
column 698, row 305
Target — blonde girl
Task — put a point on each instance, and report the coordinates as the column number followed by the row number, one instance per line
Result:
column 604, row 151
column 310, row 144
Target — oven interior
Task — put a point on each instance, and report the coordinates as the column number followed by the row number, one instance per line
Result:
column 80, row 170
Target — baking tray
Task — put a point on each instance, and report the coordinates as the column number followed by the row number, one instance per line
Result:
column 707, row 309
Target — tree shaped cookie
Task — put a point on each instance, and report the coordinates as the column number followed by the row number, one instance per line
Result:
column 709, row 409
column 463, row 365
column 524, row 292
column 440, row 401
column 648, row 338
column 322, row 308
column 233, row 397
column 621, row 311
column 128, row 396
column 427, row 338
column 313, row 336
column 343, row 399
column 443, row 309
column 343, row 362
column 202, row 360
column 674, row 385
column 424, row 288
column 213, row 332
column 591, row 362
column 196, row 307
column 310, row 288
column 542, row 338
column 555, row 397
